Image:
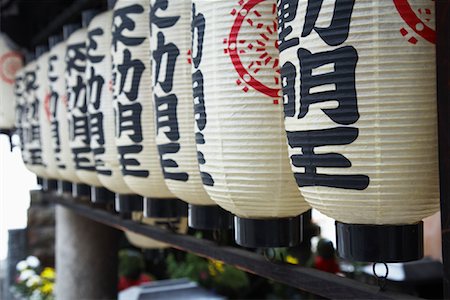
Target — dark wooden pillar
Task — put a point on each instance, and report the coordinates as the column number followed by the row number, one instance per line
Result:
column 443, row 98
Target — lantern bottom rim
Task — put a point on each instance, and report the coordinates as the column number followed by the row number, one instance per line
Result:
column 209, row 217
column 126, row 204
column 268, row 233
column 101, row 195
column 81, row 190
column 64, row 187
column 164, row 208
column 380, row 243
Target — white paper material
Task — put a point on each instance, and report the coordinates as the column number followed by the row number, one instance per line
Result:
column 21, row 112
column 135, row 125
column 77, row 108
column 240, row 131
column 360, row 99
column 173, row 100
column 100, row 104
column 43, row 97
column 58, row 113
column 10, row 62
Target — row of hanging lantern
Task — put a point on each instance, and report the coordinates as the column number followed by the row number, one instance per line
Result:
column 257, row 109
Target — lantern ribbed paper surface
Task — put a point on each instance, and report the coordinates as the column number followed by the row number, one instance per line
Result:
column 79, row 134
column 135, row 126
column 10, row 62
column 240, row 132
column 58, row 113
column 32, row 133
column 360, row 102
column 141, row 241
column 20, row 113
column 172, row 96
column 43, row 96
column 100, row 107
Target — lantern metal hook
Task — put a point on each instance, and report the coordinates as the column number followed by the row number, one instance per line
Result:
column 381, row 279
column 269, row 254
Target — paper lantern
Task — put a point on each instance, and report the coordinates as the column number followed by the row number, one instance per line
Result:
column 58, row 115
column 10, row 62
column 100, row 108
column 133, row 107
column 42, row 96
column 79, row 135
column 172, row 95
column 20, row 111
column 240, row 132
column 178, row 225
column 360, row 103
column 31, row 126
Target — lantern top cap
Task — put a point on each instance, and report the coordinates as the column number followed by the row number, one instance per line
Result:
column 68, row 29
column 41, row 49
column 111, row 4
column 54, row 40
column 87, row 16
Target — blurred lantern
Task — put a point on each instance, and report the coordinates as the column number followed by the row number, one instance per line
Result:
column 100, row 108
column 58, row 114
column 20, row 112
column 42, row 96
column 240, row 132
column 10, row 62
column 170, row 44
column 30, row 123
column 79, row 133
column 360, row 106
column 178, row 225
column 133, row 107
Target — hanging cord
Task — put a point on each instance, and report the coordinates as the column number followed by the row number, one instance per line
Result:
column 381, row 279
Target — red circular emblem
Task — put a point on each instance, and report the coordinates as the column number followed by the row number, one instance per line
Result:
column 10, row 62
column 418, row 20
column 248, row 15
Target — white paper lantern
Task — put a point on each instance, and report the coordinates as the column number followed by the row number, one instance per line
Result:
column 10, row 62
column 240, row 131
column 43, row 96
column 100, row 108
column 135, row 126
column 59, row 114
column 178, row 225
column 360, row 100
column 32, row 129
column 77, row 108
column 20, row 111
column 172, row 95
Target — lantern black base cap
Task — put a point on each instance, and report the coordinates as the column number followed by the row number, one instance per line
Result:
column 209, row 217
column 164, row 208
column 64, row 187
column 81, row 190
column 49, row 185
column 126, row 204
column 101, row 195
column 380, row 243
column 268, row 233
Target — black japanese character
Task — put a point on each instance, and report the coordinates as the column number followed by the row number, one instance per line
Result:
column 287, row 11
column 125, row 161
column 172, row 53
column 198, row 33
column 133, row 68
column 288, row 77
column 340, row 83
column 162, row 22
column 76, row 58
column 167, row 164
column 92, row 45
column 122, row 22
column 166, row 116
column 95, row 83
column 337, row 32
column 307, row 141
column 81, row 161
column 129, row 121
column 79, row 128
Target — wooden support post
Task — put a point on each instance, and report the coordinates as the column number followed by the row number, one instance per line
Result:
column 443, row 98
column 86, row 257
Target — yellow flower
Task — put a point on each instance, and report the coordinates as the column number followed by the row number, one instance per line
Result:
column 48, row 273
column 212, row 270
column 218, row 265
column 47, row 288
column 292, row 260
